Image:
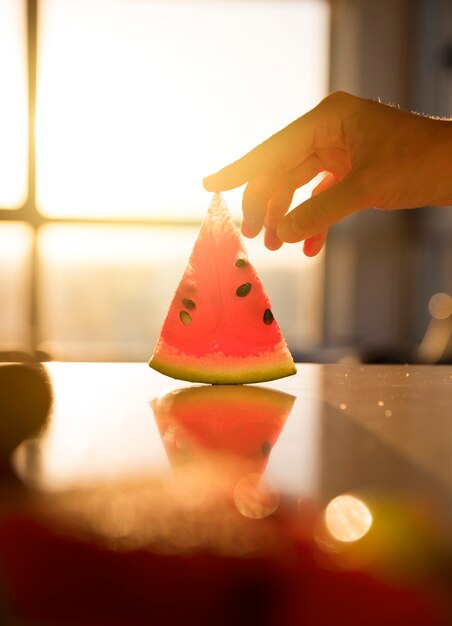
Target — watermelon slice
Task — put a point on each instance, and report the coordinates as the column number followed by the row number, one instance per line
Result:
column 222, row 422
column 220, row 327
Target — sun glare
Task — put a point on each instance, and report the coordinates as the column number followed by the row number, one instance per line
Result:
column 88, row 439
column 138, row 101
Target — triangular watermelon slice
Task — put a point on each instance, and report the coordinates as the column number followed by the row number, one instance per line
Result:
column 220, row 327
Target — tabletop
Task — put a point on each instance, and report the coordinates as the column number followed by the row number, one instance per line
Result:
column 352, row 453
column 345, row 427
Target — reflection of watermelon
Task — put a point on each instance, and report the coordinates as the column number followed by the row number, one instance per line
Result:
column 239, row 422
column 220, row 327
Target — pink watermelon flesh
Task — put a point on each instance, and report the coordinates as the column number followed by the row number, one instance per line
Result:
column 219, row 327
column 235, row 422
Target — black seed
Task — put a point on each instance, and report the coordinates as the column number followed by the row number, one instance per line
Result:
column 185, row 318
column 241, row 263
column 243, row 290
column 189, row 304
column 268, row 317
column 266, row 448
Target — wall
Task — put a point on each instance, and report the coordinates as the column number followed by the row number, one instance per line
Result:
column 383, row 267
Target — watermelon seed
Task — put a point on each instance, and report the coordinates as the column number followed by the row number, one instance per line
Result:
column 241, row 263
column 266, row 449
column 243, row 290
column 185, row 318
column 189, row 304
column 268, row 317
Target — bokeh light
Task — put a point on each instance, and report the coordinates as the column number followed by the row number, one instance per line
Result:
column 440, row 306
column 347, row 518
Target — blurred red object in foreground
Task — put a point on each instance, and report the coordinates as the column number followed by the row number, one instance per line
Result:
column 55, row 579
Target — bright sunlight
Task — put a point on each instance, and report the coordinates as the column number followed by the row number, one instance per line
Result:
column 13, row 105
column 138, row 101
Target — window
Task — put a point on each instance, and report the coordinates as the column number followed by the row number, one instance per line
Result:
column 13, row 105
column 136, row 101
column 16, row 240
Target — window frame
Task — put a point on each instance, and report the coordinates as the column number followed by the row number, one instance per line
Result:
column 28, row 212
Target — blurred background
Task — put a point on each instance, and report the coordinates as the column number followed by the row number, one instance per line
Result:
column 111, row 113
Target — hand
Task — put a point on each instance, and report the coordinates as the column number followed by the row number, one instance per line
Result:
column 374, row 155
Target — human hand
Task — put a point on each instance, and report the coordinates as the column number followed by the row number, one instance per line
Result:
column 374, row 155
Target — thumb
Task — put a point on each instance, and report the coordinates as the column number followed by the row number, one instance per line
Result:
column 323, row 210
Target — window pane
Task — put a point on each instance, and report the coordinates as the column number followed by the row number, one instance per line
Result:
column 138, row 100
column 104, row 291
column 15, row 250
column 13, row 105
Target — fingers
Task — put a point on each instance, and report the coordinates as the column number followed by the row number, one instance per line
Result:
column 255, row 200
column 282, row 197
column 277, row 207
column 279, row 153
column 313, row 245
column 328, row 181
column 321, row 211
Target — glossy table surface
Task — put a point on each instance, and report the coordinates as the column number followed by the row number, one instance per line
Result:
column 353, row 463
column 387, row 427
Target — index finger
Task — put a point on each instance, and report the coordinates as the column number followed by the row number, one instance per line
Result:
column 278, row 153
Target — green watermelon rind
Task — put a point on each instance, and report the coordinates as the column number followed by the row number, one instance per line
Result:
column 218, row 369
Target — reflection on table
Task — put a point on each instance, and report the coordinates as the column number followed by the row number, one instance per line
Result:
column 333, row 484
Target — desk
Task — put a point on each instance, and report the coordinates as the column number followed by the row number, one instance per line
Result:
column 355, row 462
